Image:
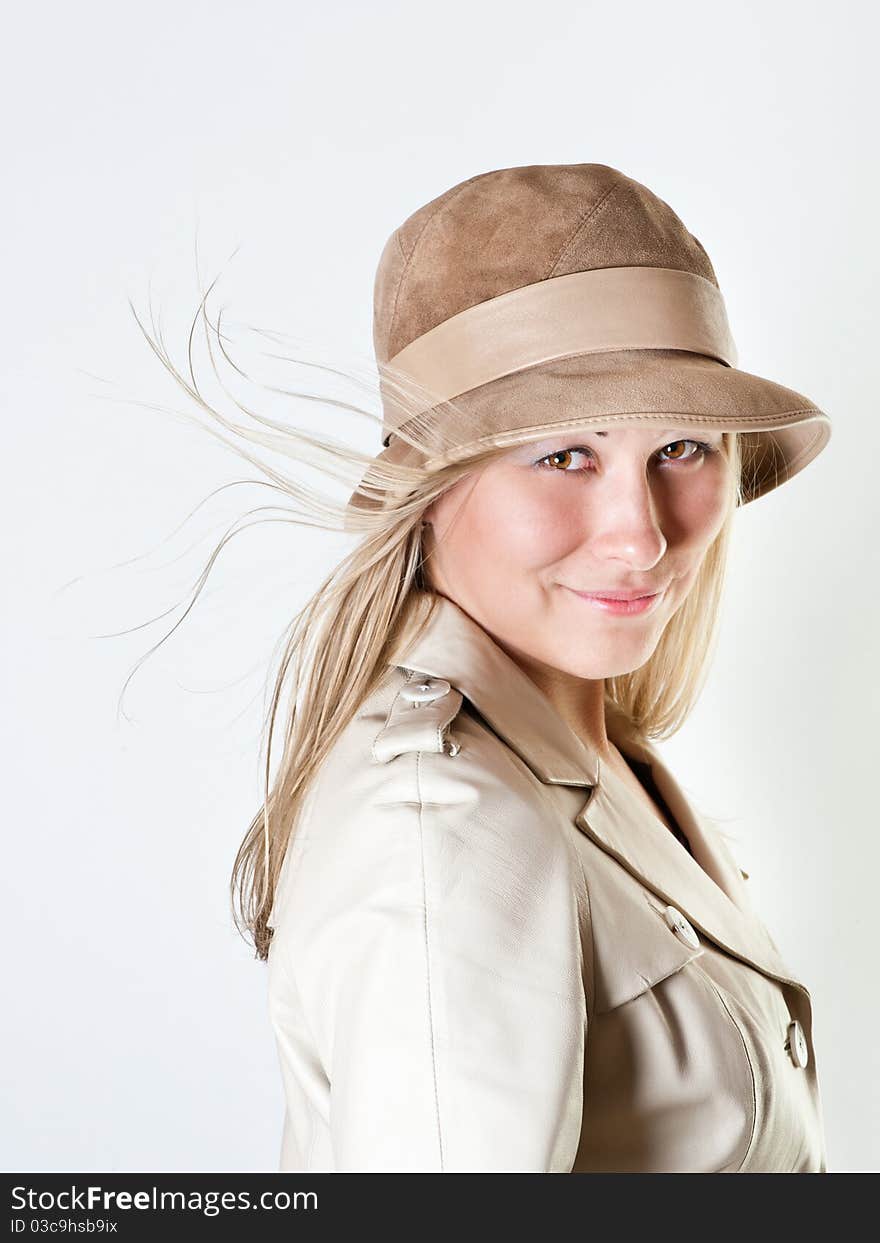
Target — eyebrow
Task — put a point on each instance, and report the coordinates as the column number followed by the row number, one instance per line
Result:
column 662, row 432
column 586, row 431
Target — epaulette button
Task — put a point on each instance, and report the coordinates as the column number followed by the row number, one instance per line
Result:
column 425, row 691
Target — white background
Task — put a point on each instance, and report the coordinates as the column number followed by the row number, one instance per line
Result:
column 136, row 1036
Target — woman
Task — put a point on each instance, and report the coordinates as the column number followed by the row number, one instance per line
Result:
column 499, row 936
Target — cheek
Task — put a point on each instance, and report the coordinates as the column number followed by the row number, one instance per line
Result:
column 523, row 536
column 702, row 507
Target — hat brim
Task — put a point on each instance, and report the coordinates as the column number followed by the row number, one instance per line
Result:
column 786, row 430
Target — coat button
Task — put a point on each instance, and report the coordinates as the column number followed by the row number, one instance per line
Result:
column 796, row 1044
column 681, row 927
column 425, row 691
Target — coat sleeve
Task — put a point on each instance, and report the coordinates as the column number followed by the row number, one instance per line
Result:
column 436, row 947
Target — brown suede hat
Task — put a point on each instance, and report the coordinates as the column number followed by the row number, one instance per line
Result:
column 549, row 297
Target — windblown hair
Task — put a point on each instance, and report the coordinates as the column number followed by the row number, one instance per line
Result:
column 335, row 648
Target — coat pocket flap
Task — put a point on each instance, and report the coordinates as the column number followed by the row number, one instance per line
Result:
column 645, row 951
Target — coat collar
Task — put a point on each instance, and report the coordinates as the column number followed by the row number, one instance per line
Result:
column 444, row 641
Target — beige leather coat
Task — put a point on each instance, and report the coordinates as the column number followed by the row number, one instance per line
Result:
column 489, row 956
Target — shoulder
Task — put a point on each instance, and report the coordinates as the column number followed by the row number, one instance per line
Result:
column 417, row 793
column 427, row 949
column 416, row 742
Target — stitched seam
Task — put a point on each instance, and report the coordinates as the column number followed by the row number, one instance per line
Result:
column 591, row 1001
column 808, row 448
column 406, row 267
column 393, row 705
column 287, row 972
column 428, row 958
column 754, row 1131
column 588, row 218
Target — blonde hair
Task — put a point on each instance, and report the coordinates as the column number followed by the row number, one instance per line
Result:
column 335, row 648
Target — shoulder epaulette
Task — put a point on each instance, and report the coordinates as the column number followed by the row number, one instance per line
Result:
column 419, row 718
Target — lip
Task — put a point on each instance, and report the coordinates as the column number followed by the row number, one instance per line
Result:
column 619, row 603
column 620, row 595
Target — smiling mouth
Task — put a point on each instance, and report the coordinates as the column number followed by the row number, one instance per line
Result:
column 617, row 605
column 619, row 595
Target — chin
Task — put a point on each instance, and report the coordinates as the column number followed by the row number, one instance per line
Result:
column 617, row 671
column 618, row 663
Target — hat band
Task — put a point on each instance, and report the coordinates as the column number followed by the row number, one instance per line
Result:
column 602, row 310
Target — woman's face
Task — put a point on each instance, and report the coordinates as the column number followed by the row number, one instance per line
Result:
column 616, row 510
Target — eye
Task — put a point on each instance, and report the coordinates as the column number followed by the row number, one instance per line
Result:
column 556, row 459
column 560, row 459
column 700, row 448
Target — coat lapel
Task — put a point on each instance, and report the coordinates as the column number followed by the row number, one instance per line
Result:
column 442, row 640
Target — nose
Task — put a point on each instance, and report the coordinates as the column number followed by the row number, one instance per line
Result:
column 625, row 522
